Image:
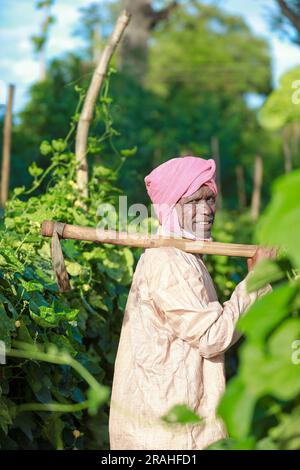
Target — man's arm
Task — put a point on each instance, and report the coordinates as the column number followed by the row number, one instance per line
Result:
column 177, row 289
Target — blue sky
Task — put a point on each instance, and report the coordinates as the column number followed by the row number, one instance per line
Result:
column 19, row 20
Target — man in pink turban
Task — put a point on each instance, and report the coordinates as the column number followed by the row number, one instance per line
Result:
column 175, row 332
column 176, row 188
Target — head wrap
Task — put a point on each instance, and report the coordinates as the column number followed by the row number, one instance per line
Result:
column 173, row 179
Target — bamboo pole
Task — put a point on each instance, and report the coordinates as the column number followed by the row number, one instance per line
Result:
column 90, row 100
column 216, row 156
column 137, row 240
column 240, row 180
column 6, row 147
column 257, row 184
column 286, row 152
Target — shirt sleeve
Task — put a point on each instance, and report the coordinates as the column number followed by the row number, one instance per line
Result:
column 178, row 292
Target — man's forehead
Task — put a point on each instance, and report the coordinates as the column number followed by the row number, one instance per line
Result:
column 202, row 191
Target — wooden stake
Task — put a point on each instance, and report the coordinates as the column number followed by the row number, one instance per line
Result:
column 90, row 100
column 257, row 183
column 216, row 156
column 287, row 152
column 6, row 147
column 240, row 180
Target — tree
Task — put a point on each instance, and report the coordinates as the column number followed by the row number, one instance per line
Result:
column 281, row 112
column 257, row 184
column 7, row 146
column 288, row 20
column 90, row 28
column 170, row 115
column 201, row 63
column 206, row 48
column 133, row 55
column 40, row 40
column 86, row 114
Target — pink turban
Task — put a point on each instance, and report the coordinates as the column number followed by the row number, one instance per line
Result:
column 177, row 177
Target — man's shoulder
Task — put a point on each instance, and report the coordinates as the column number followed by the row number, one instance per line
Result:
column 167, row 258
column 162, row 254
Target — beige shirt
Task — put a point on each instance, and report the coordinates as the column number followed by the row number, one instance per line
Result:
column 171, row 351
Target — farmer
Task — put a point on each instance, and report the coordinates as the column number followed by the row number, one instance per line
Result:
column 175, row 332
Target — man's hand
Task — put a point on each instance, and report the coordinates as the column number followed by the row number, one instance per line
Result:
column 261, row 253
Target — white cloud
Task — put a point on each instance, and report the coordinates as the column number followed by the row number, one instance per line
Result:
column 20, row 95
column 20, row 20
column 60, row 43
column 66, row 14
column 9, row 33
column 61, row 38
column 20, row 71
column 26, row 70
column 285, row 56
column 3, row 92
column 25, row 45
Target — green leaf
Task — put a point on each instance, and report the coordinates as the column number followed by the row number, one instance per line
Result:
column 78, row 89
column 5, row 415
column 51, row 316
column 279, row 108
column 181, row 414
column 53, row 429
column 96, row 398
column 236, row 408
column 34, row 170
column 266, row 444
column 280, row 225
column 270, row 370
column 7, row 325
column 31, row 285
column 9, row 222
column 25, row 421
column 233, row 444
column 59, row 145
column 19, row 190
column 73, row 268
column 265, row 272
column 122, row 300
column 45, row 148
column 3, row 261
column 129, row 152
column 287, row 432
column 96, row 300
column 267, row 312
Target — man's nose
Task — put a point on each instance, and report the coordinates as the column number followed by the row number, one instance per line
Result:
column 206, row 208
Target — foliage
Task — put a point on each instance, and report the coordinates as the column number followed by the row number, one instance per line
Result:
column 261, row 407
column 40, row 40
column 203, row 47
column 282, row 106
column 60, row 347
column 202, row 61
column 86, row 322
column 227, row 272
column 261, row 403
column 285, row 19
column 199, row 100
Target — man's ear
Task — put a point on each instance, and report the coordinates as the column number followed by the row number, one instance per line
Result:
column 179, row 210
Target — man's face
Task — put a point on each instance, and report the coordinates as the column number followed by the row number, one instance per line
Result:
column 196, row 212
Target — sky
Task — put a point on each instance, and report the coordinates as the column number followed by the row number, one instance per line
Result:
column 20, row 20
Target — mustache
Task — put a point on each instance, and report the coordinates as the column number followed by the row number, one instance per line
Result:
column 204, row 219
column 200, row 216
